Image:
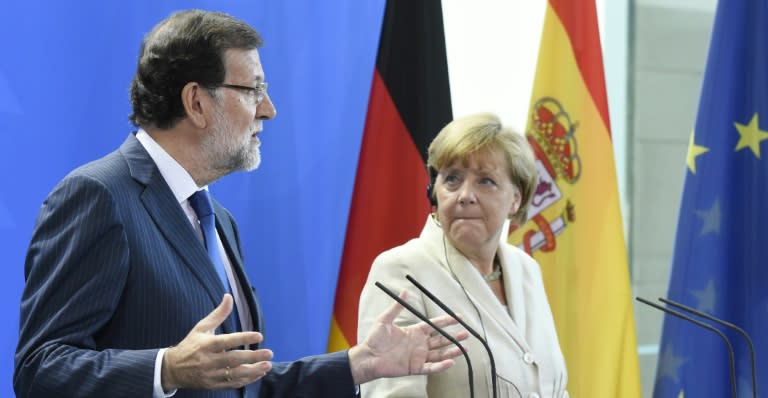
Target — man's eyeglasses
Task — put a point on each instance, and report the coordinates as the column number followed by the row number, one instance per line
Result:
column 256, row 94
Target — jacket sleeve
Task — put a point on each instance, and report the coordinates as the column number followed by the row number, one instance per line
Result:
column 75, row 270
column 326, row 375
column 390, row 269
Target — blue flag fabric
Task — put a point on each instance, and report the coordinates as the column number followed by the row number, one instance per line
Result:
column 720, row 264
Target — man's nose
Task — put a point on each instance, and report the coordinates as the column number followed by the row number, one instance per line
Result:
column 266, row 109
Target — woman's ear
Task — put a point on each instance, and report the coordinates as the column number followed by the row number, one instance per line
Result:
column 516, row 202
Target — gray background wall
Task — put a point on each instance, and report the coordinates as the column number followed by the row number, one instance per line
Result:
column 668, row 48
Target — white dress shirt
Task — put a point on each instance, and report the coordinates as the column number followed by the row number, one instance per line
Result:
column 183, row 186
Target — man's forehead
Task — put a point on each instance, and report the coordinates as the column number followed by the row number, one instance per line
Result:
column 243, row 63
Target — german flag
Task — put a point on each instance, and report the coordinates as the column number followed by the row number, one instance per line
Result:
column 410, row 102
column 575, row 228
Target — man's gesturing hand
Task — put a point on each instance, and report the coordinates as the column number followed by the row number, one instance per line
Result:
column 391, row 351
column 204, row 360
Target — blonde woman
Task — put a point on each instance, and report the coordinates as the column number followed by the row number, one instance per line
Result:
column 483, row 174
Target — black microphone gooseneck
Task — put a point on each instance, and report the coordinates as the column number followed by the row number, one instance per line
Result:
column 440, row 330
column 731, row 361
column 726, row 324
column 469, row 329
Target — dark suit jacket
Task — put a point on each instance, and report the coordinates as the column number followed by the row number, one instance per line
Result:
column 114, row 272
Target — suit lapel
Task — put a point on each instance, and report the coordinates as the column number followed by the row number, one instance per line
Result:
column 170, row 219
column 229, row 238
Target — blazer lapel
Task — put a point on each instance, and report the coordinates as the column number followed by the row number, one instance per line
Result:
column 515, row 290
column 479, row 292
column 170, row 219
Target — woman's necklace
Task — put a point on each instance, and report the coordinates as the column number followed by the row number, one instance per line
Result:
column 495, row 274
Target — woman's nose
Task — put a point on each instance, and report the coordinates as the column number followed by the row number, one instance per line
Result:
column 467, row 195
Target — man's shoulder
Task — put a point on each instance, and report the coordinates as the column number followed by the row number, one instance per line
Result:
column 109, row 173
column 104, row 170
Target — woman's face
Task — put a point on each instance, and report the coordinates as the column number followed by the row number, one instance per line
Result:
column 474, row 198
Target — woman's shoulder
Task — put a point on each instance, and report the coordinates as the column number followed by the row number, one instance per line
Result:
column 515, row 256
column 413, row 257
column 414, row 248
column 513, row 251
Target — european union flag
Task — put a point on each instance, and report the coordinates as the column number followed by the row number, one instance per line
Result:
column 720, row 264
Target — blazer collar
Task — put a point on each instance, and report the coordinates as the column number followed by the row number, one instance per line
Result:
column 475, row 286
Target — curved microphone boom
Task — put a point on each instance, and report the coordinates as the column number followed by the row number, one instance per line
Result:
column 726, row 324
column 440, row 330
column 458, row 319
column 731, row 361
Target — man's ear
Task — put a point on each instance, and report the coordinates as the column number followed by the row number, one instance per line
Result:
column 196, row 102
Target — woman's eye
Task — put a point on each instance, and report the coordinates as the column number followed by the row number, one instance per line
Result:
column 487, row 181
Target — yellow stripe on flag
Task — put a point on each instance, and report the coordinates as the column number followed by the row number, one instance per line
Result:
column 336, row 340
column 575, row 229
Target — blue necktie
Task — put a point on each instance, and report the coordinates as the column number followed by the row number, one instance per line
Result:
column 203, row 206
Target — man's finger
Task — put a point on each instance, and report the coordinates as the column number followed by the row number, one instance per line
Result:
column 441, row 322
column 430, row 368
column 439, row 341
column 248, row 373
column 393, row 310
column 224, row 342
column 448, row 353
column 233, row 359
column 215, row 317
column 236, row 358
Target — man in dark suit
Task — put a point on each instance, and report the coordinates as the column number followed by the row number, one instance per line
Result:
column 130, row 258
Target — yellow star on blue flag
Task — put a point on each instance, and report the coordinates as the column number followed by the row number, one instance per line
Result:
column 750, row 135
column 694, row 151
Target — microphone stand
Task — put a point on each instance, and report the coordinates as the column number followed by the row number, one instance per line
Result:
column 469, row 329
column 731, row 361
column 726, row 324
column 440, row 330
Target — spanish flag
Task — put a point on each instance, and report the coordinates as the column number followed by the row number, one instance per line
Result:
column 410, row 102
column 575, row 229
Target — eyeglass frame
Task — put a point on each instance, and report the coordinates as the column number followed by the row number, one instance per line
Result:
column 259, row 92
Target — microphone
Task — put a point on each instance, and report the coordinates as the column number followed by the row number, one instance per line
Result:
column 726, row 324
column 731, row 361
column 440, row 330
column 469, row 329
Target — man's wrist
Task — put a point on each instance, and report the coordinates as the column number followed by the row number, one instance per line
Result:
column 167, row 380
column 359, row 364
column 157, row 385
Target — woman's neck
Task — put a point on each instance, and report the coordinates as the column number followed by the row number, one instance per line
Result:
column 482, row 260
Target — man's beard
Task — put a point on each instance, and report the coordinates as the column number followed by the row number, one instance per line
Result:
column 226, row 151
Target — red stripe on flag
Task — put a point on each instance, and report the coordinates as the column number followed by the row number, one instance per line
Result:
column 579, row 18
column 389, row 203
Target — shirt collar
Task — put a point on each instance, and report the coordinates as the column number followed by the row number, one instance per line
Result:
column 178, row 179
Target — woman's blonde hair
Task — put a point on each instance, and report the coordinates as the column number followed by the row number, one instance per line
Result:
column 467, row 135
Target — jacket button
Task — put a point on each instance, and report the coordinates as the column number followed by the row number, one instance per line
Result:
column 528, row 358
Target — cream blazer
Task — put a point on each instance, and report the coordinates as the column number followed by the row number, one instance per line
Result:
column 522, row 336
